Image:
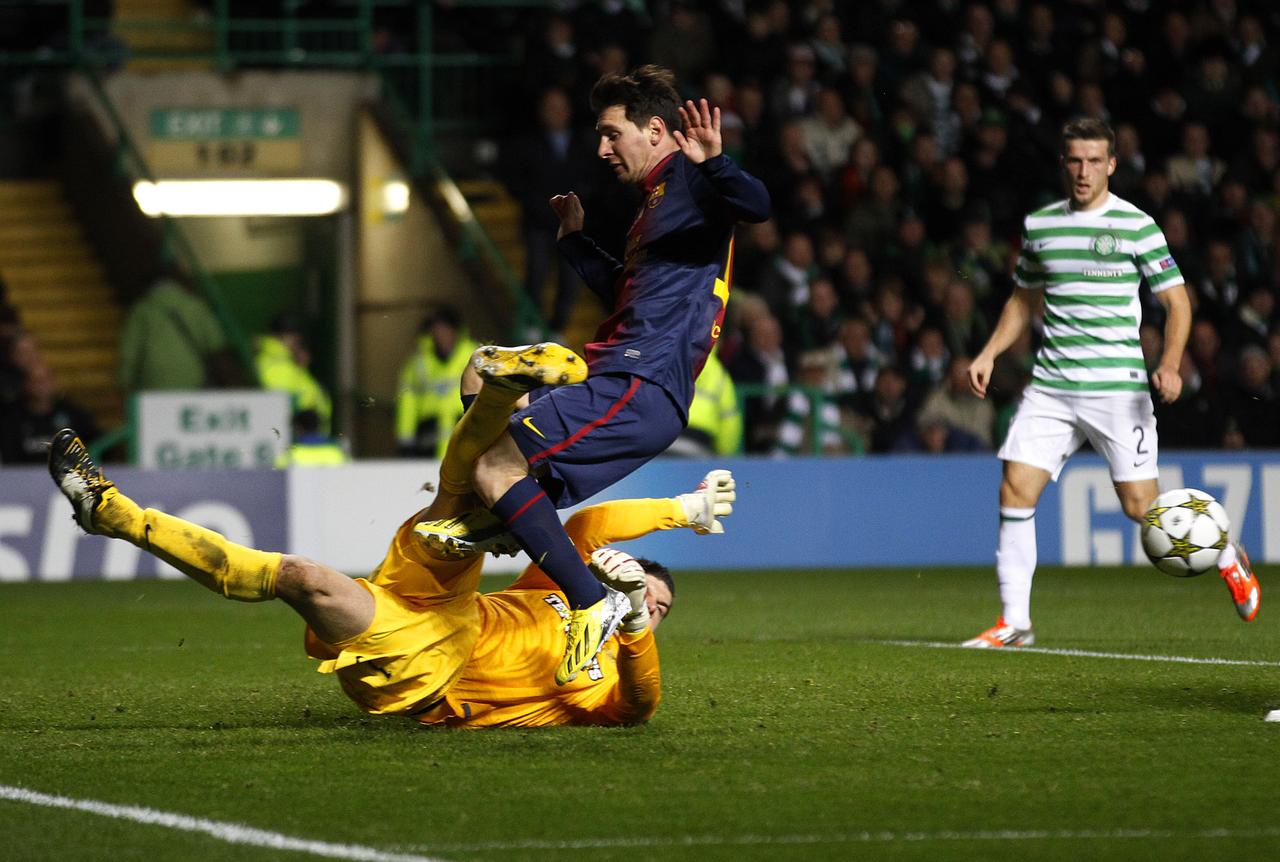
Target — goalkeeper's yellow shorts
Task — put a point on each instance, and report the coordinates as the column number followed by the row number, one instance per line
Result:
column 425, row 623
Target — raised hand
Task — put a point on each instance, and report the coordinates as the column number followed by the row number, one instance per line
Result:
column 568, row 208
column 700, row 139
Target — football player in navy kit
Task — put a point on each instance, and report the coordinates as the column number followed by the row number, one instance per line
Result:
column 668, row 297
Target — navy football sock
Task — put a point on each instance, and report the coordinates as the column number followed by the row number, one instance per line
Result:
column 532, row 519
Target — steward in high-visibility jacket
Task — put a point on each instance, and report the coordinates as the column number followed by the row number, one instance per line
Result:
column 281, row 365
column 428, row 404
column 715, row 422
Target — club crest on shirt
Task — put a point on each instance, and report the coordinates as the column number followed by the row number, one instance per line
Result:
column 1104, row 243
column 655, row 196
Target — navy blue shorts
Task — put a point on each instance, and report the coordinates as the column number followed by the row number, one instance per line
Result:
column 580, row 439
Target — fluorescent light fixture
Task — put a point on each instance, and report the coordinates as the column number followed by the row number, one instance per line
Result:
column 395, row 197
column 294, row 197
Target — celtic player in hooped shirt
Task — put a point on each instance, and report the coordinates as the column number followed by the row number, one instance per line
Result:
column 1083, row 259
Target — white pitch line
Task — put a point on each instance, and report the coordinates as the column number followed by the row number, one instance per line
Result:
column 880, row 837
column 1081, row 653
column 232, row 833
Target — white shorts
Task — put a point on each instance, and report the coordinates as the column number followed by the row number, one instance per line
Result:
column 1049, row 427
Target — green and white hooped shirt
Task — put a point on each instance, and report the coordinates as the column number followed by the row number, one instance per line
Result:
column 1089, row 264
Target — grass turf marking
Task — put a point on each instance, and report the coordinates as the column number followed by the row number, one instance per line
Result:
column 882, row 837
column 232, row 833
column 1080, row 653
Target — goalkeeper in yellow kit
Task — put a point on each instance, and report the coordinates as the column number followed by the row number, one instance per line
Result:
column 416, row 638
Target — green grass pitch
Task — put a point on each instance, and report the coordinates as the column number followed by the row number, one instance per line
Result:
column 791, row 728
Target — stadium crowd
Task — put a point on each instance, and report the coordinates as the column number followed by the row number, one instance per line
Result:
column 902, row 145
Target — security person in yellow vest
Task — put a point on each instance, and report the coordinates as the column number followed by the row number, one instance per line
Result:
column 282, row 362
column 428, row 404
column 310, row 448
column 715, row 422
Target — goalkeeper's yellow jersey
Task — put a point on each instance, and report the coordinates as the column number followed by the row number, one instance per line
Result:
column 471, row 660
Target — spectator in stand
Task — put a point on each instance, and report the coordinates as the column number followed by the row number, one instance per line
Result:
column 796, row 93
column 812, row 423
column 1254, row 319
column 20, row 357
column 948, row 201
column 858, row 363
column 928, row 360
column 829, row 135
column 886, row 412
column 27, row 425
column 1177, row 232
column 784, row 285
column 428, row 403
column 682, row 41
column 1203, row 346
column 829, row 49
column 864, row 98
column 172, row 340
column 931, row 435
column 1253, row 404
column 874, row 219
column 282, row 361
column 965, row 327
column 1194, row 170
column 539, row 165
column 907, row 253
column 927, row 94
column 855, row 282
column 816, row 324
column 1219, row 291
column 761, row 364
column 1257, row 255
column 980, row 261
column 954, row 403
column 1131, row 164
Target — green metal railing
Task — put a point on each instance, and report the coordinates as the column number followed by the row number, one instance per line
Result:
column 818, row 398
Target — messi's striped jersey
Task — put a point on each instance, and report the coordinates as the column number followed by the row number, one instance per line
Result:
column 1089, row 264
column 668, row 296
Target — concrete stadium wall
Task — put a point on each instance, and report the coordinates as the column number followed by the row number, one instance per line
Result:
column 804, row 512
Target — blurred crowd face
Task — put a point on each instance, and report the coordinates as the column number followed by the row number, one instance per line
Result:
column 855, row 338
column 1255, row 368
column 1087, row 166
column 555, row 111
column 1204, row 343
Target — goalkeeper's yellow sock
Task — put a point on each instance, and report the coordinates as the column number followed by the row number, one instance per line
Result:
column 477, row 430
column 208, row 558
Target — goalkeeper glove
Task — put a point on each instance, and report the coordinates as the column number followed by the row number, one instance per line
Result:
column 619, row 570
column 711, row 500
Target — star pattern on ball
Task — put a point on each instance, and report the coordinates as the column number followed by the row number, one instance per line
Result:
column 1195, row 504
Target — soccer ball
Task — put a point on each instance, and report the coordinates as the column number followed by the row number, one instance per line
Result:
column 1184, row 531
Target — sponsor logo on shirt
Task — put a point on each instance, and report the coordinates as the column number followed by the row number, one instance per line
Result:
column 1167, row 263
column 1102, row 272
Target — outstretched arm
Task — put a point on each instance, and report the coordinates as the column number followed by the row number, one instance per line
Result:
column 619, row 520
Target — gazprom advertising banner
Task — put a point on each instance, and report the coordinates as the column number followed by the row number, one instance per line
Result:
column 801, row 512
column 917, row 510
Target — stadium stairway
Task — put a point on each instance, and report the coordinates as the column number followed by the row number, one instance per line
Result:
column 59, row 288
column 166, row 28
column 499, row 215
